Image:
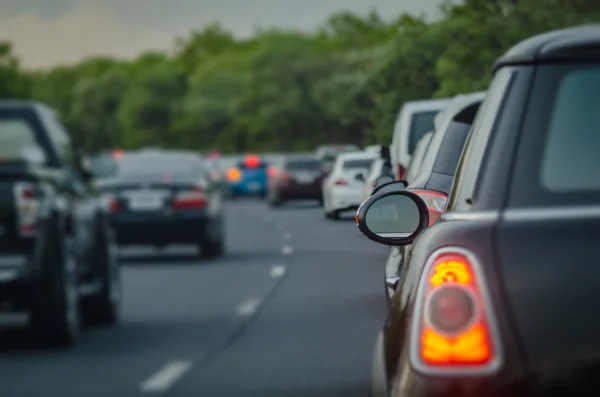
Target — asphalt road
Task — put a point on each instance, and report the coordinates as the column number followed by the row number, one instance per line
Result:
column 291, row 310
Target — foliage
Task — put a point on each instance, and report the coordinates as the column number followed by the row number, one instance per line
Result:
column 284, row 90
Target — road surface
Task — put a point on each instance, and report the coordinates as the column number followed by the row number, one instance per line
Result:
column 291, row 310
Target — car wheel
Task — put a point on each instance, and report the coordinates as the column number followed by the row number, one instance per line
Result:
column 104, row 307
column 378, row 376
column 335, row 215
column 213, row 246
column 54, row 313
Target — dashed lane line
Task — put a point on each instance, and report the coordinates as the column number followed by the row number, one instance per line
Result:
column 277, row 271
column 248, row 307
column 166, row 377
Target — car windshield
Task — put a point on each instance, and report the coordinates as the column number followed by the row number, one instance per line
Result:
column 16, row 134
column 420, row 124
column 303, row 164
column 357, row 164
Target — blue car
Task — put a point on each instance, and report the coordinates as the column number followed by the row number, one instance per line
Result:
column 249, row 177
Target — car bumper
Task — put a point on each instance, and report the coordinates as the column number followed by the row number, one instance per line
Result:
column 248, row 188
column 300, row 192
column 160, row 229
column 345, row 200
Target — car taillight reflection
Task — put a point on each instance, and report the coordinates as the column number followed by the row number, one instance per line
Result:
column 195, row 199
column 435, row 201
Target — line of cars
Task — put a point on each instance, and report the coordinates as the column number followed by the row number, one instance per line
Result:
column 63, row 215
column 492, row 280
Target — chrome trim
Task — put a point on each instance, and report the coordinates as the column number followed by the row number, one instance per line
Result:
column 392, row 282
column 552, row 213
column 414, row 341
column 471, row 216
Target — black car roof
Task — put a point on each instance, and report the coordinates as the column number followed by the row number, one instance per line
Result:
column 576, row 42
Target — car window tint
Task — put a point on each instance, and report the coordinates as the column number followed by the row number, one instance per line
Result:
column 451, row 148
column 303, row 164
column 354, row 164
column 16, row 134
column 571, row 161
column 558, row 157
column 421, row 123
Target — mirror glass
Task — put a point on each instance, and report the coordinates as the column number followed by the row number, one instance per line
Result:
column 394, row 216
column 382, row 179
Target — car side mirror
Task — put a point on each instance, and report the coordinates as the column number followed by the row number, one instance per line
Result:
column 390, row 186
column 359, row 177
column 393, row 218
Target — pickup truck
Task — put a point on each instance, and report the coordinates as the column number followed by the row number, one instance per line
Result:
column 58, row 260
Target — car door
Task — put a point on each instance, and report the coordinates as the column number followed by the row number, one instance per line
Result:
column 83, row 198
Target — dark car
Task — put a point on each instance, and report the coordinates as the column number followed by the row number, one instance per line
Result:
column 57, row 250
column 165, row 198
column 433, row 180
column 298, row 178
column 498, row 297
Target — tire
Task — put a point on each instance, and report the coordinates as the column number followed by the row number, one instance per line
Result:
column 378, row 386
column 54, row 312
column 335, row 215
column 104, row 307
column 213, row 247
column 320, row 201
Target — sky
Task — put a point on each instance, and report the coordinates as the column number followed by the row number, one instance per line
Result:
column 46, row 33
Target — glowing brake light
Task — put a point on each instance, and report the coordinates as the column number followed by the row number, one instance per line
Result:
column 272, row 171
column 194, row 199
column 435, row 201
column 401, row 172
column 454, row 329
column 234, row 174
column 117, row 154
column 252, row 161
column 27, row 205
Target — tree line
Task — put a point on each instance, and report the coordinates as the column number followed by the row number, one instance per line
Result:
column 284, row 90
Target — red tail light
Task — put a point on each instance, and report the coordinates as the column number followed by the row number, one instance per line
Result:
column 195, row 199
column 272, row 171
column 454, row 329
column 401, row 172
column 26, row 204
column 340, row 182
column 435, row 201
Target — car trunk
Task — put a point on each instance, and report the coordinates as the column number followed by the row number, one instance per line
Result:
column 552, row 282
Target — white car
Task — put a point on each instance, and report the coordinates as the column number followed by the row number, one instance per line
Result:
column 343, row 188
column 416, row 118
column 373, row 173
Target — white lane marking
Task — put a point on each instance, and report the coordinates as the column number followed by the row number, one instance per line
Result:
column 166, row 377
column 287, row 250
column 248, row 307
column 287, row 236
column 277, row 271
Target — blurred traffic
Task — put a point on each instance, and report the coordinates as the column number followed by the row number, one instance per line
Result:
column 444, row 248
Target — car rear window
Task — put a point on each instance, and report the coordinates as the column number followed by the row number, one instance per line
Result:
column 558, row 158
column 303, row 164
column 451, row 148
column 420, row 124
column 16, row 134
column 355, row 164
column 158, row 174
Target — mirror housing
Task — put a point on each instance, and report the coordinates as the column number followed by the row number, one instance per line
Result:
column 393, row 218
column 391, row 186
column 383, row 179
column 359, row 177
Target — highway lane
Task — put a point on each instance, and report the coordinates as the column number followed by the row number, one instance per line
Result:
column 291, row 310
